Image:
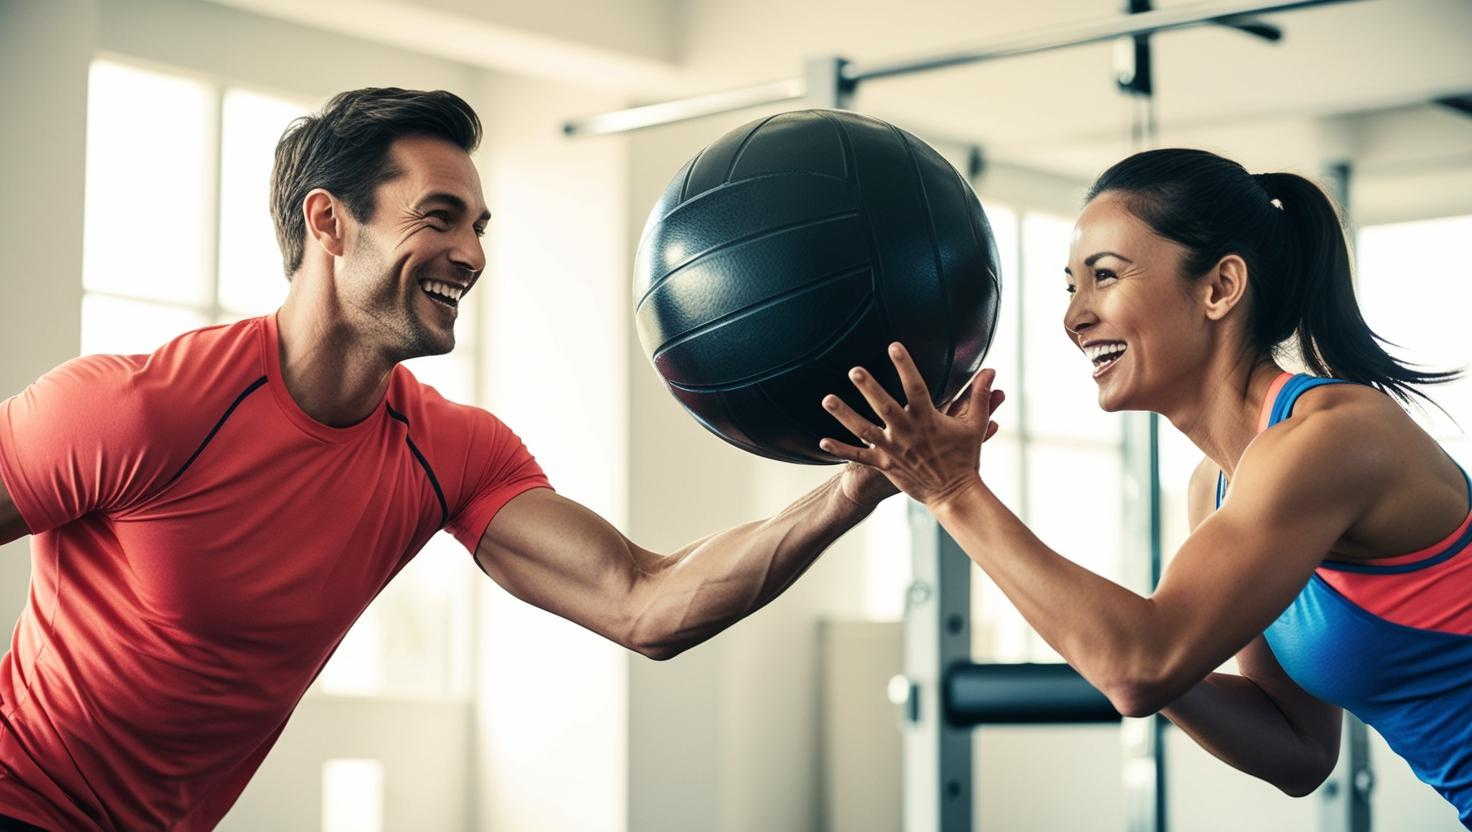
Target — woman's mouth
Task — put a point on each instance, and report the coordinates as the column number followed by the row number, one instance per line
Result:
column 1104, row 355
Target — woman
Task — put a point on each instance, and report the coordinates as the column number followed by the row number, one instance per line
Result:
column 1330, row 533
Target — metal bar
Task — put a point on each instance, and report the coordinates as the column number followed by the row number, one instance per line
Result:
column 655, row 115
column 791, row 89
column 1079, row 34
column 1022, row 694
column 938, row 775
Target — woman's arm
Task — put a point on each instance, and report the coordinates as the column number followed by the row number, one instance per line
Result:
column 1257, row 721
column 1296, row 491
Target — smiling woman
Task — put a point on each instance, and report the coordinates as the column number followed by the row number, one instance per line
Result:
column 1187, row 276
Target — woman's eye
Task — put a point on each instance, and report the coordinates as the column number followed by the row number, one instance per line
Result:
column 1103, row 274
column 1070, row 288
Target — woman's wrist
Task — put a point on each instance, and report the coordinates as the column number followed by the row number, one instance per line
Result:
column 955, row 497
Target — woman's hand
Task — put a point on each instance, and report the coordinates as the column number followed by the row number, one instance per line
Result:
column 930, row 455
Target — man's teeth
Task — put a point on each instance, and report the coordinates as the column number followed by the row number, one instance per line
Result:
column 444, row 289
column 1100, row 353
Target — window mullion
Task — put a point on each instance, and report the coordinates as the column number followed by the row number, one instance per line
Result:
column 215, row 136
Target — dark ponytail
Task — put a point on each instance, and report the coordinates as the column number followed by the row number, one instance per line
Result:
column 1289, row 234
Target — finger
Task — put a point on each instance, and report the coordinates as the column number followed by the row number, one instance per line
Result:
column 878, row 398
column 981, row 394
column 917, row 395
column 866, row 431
column 991, row 430
column 848, row 453
column 998, row 397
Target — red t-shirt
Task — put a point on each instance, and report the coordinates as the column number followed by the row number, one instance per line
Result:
column 201, row 546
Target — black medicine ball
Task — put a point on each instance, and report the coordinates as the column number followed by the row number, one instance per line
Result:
column 796, row 247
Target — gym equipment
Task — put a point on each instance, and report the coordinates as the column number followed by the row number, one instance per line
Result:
column 796, row 247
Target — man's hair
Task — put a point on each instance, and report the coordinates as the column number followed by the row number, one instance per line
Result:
column 344, row 150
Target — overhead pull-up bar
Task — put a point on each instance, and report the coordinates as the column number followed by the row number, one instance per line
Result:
column 1238, row 14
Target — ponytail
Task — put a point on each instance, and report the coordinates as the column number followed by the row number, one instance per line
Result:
column 1332, row 336
column 1289, row 234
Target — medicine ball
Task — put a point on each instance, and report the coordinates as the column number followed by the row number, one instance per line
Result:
column 796, row 247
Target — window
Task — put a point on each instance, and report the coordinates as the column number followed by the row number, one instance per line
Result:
column 178, row 235
column 1057, row 460
column 1412, row 294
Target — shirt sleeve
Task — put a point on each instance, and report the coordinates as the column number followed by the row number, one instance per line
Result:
column 502, row 468
column 75, row 442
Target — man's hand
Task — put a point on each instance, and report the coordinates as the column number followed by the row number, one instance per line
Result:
column 865, row 486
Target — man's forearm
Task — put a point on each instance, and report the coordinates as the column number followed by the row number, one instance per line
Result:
column 705, row 587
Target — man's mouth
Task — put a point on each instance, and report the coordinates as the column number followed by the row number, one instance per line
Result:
column 448, row 294
column 1104, row 354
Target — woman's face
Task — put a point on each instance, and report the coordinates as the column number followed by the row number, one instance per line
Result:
column 1130, row 311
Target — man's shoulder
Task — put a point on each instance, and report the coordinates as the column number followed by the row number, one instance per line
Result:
column 437, row 418
column 190, row 370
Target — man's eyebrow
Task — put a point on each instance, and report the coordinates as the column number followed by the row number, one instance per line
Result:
column 454, row 202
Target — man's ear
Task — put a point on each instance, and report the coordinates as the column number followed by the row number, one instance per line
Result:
column 1224, row 286
column 324, row 221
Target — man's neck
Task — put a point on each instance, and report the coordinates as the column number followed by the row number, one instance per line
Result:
column 333, row 376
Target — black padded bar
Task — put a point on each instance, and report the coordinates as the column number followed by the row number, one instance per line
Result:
column 1022, row 694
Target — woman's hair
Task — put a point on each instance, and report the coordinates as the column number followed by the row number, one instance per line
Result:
column 1289, row 234
column 345, row 149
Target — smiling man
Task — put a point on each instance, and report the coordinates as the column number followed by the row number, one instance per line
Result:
column 210, row 519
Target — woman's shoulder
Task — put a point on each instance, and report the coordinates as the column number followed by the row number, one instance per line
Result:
column 1358, row 410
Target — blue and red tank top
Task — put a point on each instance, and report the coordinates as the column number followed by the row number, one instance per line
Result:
column 1389, row 640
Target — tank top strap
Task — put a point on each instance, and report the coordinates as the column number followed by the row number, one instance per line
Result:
column 1283, row 395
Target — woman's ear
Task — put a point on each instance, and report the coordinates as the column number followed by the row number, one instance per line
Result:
column 1223, row 287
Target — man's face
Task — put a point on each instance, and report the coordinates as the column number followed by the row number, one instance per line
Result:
column 405, row 270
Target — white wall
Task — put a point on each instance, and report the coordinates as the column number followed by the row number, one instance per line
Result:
column 553, row 699
column 44, row 53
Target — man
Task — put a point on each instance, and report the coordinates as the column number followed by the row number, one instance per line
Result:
column 210, row 519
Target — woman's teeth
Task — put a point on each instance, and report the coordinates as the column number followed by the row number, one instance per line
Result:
column 1104, row 356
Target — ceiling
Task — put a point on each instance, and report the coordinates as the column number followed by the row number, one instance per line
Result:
column 1349, row 80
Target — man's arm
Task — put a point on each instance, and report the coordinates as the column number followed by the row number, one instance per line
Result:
column 558, row 555
column 1259, row 721
column 12, row 527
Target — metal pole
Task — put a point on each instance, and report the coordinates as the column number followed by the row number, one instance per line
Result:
column 937, row 787
column 791, row 89
column 1060, row 37
column 670, row 112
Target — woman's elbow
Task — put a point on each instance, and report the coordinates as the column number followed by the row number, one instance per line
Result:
column 1140, row 696
column 1305, row 778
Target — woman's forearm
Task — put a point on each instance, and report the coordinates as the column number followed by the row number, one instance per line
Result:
column 1240, row 724
column 1101, row 628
